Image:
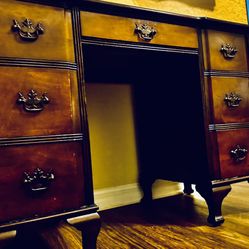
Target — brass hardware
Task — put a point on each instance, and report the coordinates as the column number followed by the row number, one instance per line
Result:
column 38, row 181
column 238, row 153
column 145, row 32
column 26, row 30
column 228, row 51
column 232, row 99
column 32, row 103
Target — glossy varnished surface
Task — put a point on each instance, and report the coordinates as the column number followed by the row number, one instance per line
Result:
column 121, row 28
column 60, row 115
column 55, row 44
column 227, row 141
column 222, row 86
column 215, row 59
column 64, row 193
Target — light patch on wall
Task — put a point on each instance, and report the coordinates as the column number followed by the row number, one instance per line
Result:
column 112, row 134
column 247, row 7
column 228, row 10
column 204, row 4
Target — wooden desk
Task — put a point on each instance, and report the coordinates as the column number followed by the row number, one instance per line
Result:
column 190, row 81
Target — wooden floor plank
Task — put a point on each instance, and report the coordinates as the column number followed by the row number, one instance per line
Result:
column 178, row 222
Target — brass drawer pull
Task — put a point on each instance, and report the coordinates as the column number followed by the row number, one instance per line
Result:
column 32, row 103
column 26, row 30
column 38, row 181
column 238, row 153
column 145, row 32
column 232, row 99
column 228, row 51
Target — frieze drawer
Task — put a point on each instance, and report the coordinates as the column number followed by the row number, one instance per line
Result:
column 35, row 31
column 225, row 51
column 38, row 102
column 134, row 30
column 233, row 153
column 230, row 99
column 24, row 191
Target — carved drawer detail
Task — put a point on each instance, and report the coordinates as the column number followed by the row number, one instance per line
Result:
column 230, row 99
column 35, row 31
column 24, row 190
column 38, row 102
column 233, row 152
column 226, row 51
column 134, row 30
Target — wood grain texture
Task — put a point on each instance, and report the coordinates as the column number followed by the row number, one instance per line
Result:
column 226, row 85
column 65, row 191
column 55, row 44
column 121, row 28
column 179, row 223
column 227, row 141
column 215, row 40
column 60, row 115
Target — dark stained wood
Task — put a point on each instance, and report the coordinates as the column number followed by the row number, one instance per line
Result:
column 97, row 25
column 228, row 140
column 60, row 115
column 66, row 192
column 55, row 44
column 214, row 198
column 215, row 40
column 222, row 86
column 214, row 166
column 83, row 106
column 89, row 225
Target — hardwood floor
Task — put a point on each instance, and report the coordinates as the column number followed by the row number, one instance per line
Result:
column 178, row 222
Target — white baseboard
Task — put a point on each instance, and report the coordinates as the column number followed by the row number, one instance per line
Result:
column 108, row 198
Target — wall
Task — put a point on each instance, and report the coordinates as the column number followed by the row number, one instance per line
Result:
column 229, row 10
column 112, row 134
column 110, row 112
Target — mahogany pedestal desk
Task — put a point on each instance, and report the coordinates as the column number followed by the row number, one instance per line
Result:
column 190, row 89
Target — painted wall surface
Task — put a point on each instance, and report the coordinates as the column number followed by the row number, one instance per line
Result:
column 110, row 110
column 112, row 134
column 229, row 10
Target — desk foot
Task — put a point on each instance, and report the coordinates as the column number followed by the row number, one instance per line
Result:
column 214, row 198
column 89, row 225
column 187, row 188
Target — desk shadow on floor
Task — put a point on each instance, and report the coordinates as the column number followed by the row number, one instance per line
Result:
column 178, row 210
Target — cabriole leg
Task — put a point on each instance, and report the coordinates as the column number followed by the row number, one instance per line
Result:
column 187, row 188
column 89, row 225
column 214, row 197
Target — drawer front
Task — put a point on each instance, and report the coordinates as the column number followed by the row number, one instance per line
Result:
column 23, row 197
column 234, row 160
column 230, row 99
column 128, row 29
column 55, row 42
column 23, row 115
column 221, row 50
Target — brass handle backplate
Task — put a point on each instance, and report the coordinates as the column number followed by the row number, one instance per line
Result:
column 32, row 103
column 228, row 51
column 232, row 99
column 38, row 181
column 26, row 30
column 238, row 153
column 145, row 32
